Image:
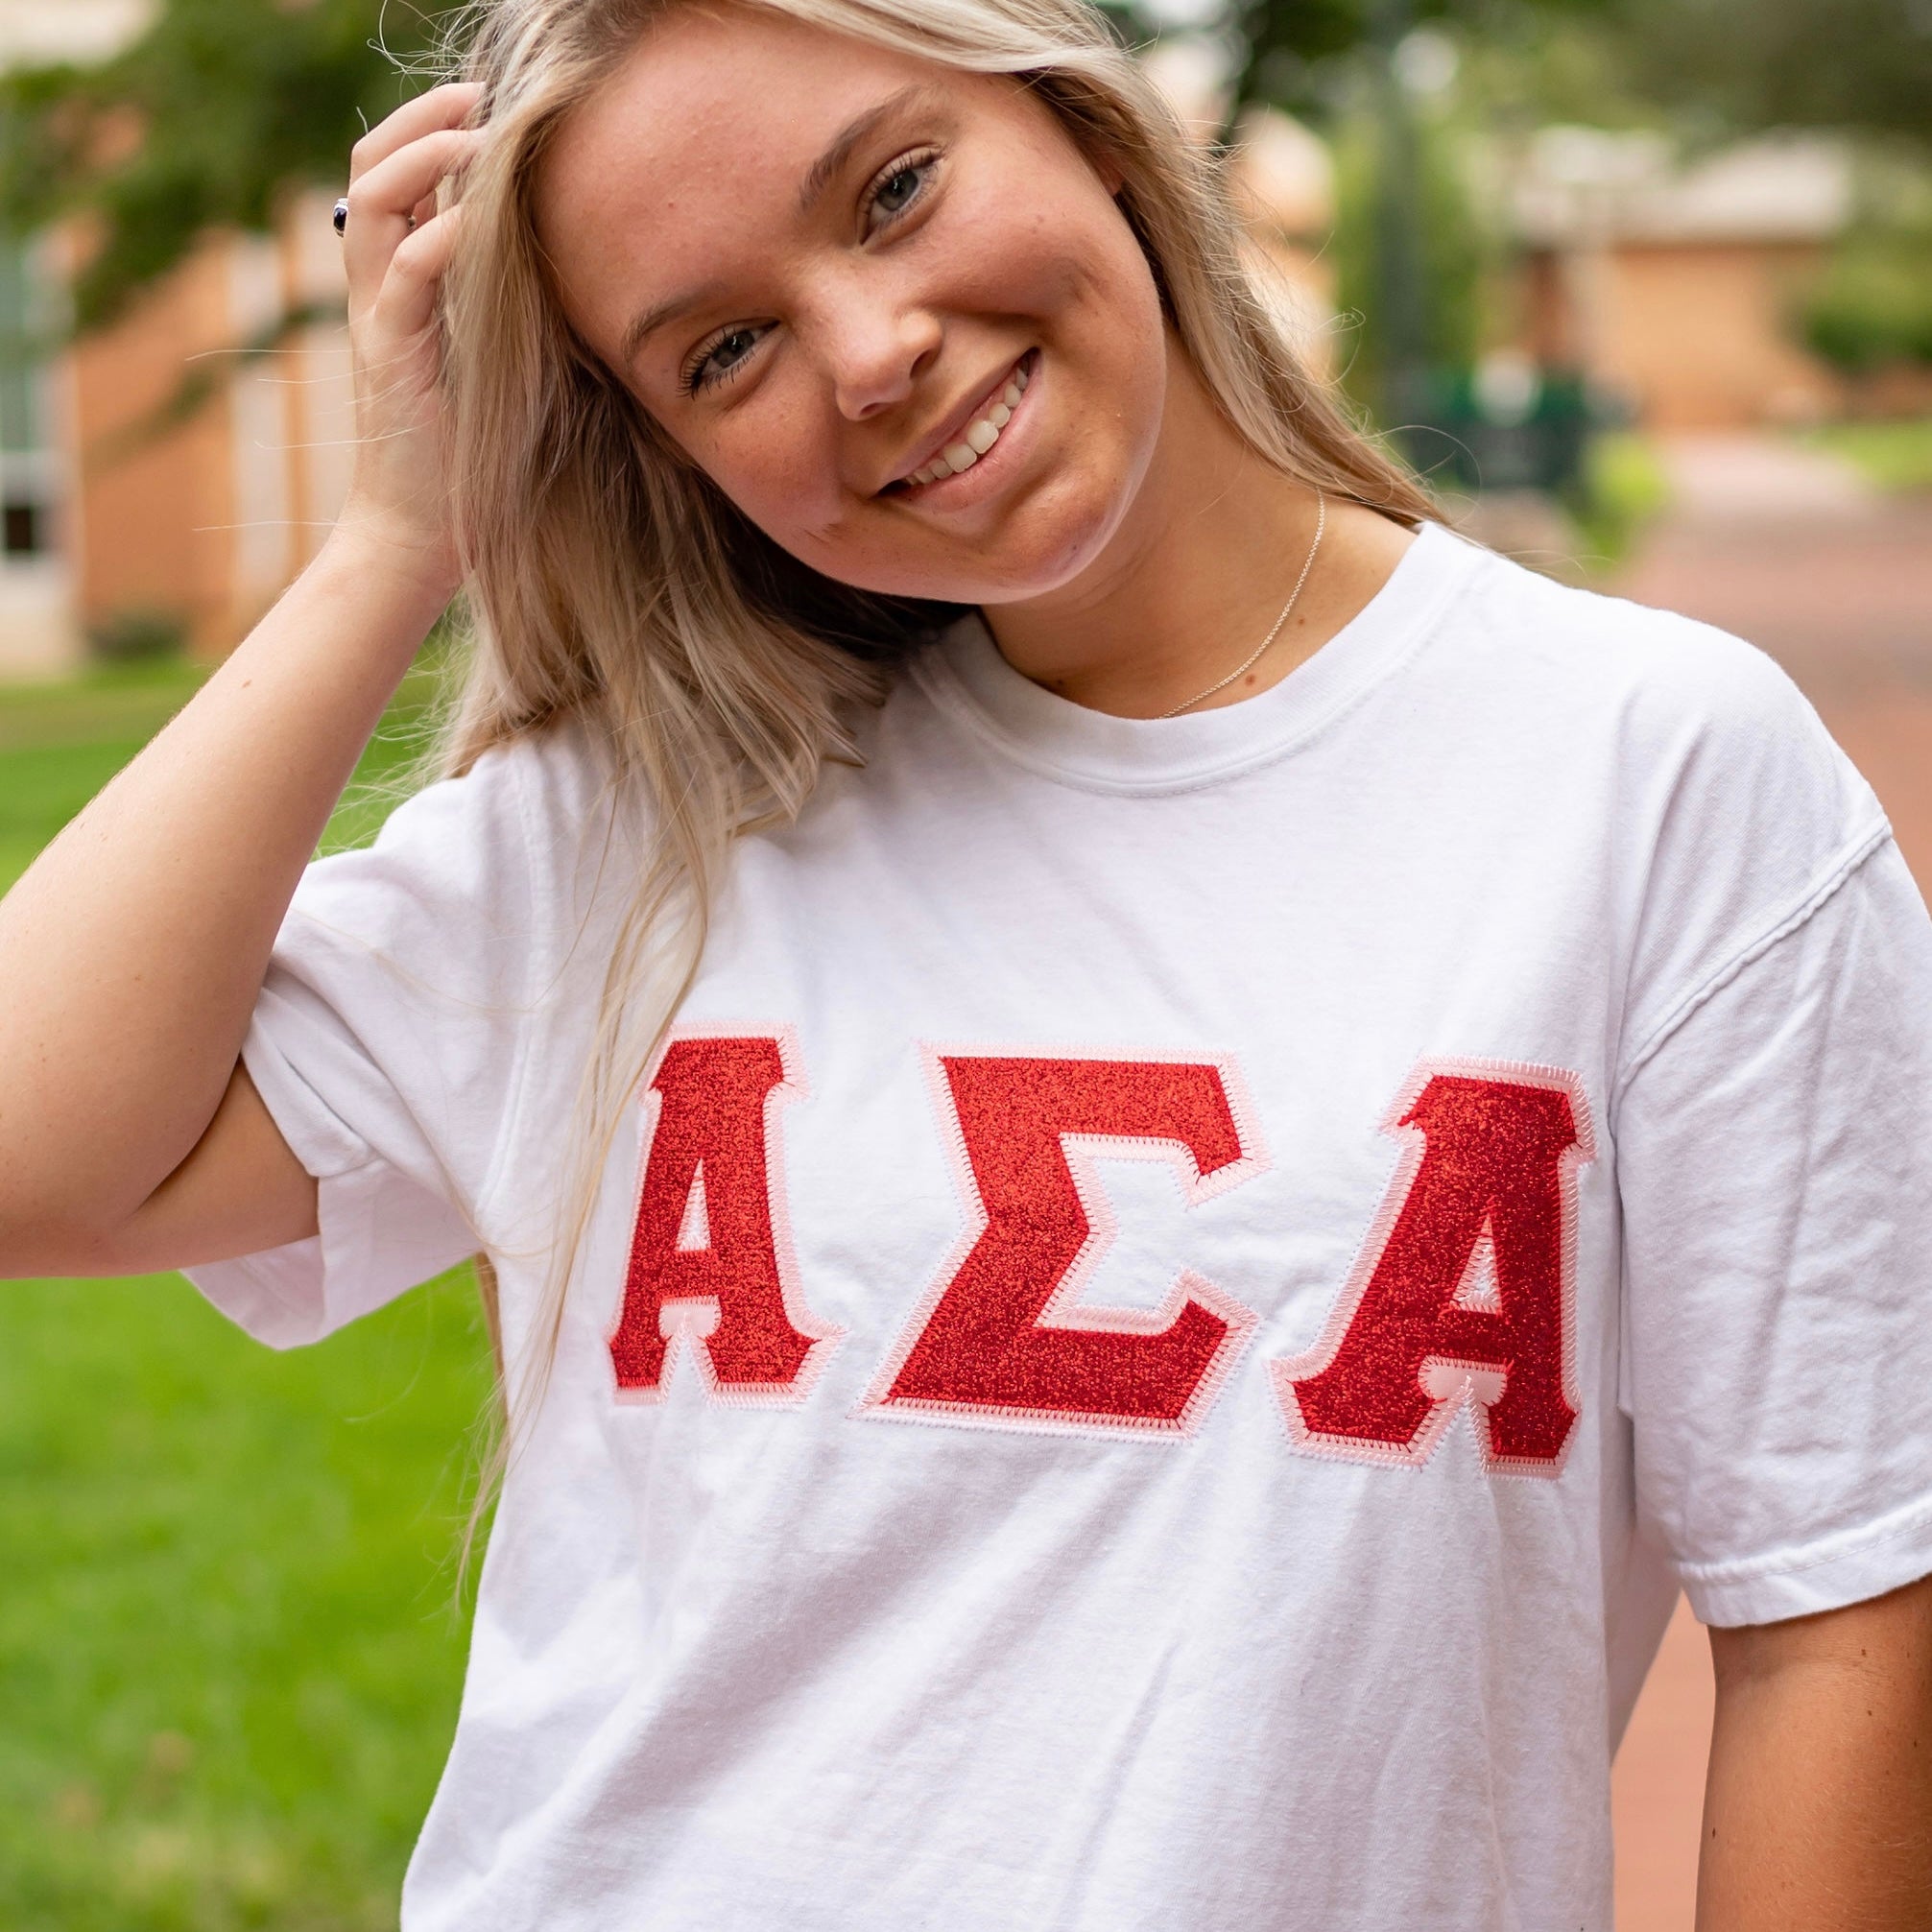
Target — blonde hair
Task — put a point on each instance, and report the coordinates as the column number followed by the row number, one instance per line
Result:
column 612, row 581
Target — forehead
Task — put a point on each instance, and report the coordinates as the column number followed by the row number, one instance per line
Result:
column 696, row 147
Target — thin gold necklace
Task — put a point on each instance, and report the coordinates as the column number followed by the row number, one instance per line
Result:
column 1294, row 597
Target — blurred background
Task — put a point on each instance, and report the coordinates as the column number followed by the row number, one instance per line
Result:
column 1644, row 287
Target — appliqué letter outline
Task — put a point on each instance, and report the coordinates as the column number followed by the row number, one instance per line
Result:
column 1464, row 1294
column 1001, row 1340
column 711, row 1263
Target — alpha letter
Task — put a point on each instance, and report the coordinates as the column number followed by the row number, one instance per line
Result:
column 711, row 1257
column 1463, row 1290
column 1000, row 1340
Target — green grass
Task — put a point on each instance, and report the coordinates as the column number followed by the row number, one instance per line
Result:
column 60, row 743
column 1895, row 456
column 229, row 1641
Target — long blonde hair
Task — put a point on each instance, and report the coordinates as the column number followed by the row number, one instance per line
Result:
column 612, row 581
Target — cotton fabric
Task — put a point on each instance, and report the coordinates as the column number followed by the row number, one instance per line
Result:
column 741, row 1666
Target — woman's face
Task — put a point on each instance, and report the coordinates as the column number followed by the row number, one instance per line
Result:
column 821, row 266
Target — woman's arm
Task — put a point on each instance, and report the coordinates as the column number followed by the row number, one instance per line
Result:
column 131, row 953
column 1818, row 1811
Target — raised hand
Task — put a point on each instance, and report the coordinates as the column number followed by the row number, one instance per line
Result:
column 129, row 1136
column 398, row 246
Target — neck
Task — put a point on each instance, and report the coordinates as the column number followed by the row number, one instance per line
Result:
column 1201, row 563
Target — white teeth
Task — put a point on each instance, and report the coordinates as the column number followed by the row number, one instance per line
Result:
column 1021, row 375
column 980, row 436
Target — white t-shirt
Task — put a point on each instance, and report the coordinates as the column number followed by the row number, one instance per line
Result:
column 1183, row 1296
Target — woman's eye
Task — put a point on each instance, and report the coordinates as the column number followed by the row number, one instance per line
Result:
column 898, row 189
column 723, row 356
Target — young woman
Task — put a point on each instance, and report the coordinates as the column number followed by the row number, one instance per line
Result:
column 1162, row 1149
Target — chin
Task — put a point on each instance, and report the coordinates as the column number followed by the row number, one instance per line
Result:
column 1036, row 548
column 1042, row 551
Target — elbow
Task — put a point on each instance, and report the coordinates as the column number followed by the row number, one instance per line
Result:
column 40, row 1244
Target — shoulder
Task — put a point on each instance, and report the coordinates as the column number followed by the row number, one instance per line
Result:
column 1675, row 710
column 480, row 866
column 527, row 803
column 1655, row 666
column 1713, row 807
column 543, row 782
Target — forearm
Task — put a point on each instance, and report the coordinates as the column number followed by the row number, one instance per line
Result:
column 131, row 954
column 1818, row 1811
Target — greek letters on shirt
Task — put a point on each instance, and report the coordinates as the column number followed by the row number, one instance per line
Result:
column 1462, row 1294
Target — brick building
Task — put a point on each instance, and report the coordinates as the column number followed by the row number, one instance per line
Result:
column 117, row 508
column 1674, row 285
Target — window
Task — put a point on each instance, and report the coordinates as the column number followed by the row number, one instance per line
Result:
column 27, row 463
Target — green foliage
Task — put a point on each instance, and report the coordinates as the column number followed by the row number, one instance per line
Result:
column 1293, row 49
column 1456, row 252
column 221, row 104
column 1895, row 456
column 1856, row 64
column 1719, row 66
column 1624, row 491
column 202, row 122
column 1874, row 304
column 134, row 635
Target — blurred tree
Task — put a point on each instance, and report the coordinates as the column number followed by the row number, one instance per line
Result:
column 1871, row 308
column 200, row 122
column 218, row 104
column 1861, row 65
column 1451, row 251
column 1408, row 248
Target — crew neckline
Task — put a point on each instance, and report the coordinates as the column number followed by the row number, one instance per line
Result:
column 964, row 673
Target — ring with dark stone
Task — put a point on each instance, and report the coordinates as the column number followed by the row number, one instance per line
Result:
column 342, row 218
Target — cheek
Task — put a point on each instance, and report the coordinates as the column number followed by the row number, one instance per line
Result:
column 1060, row 259
column 778, row 461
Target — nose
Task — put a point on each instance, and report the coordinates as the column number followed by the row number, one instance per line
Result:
column 876, row 349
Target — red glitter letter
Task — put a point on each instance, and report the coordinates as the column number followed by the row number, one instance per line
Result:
column 1463, row 1291
column 1000, row 1340
column 711, row 1257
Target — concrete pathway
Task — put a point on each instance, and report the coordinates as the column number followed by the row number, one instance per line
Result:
column 1791, row 550
column 1750, row 480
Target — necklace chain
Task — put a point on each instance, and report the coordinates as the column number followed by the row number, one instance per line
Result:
column 1253, row 658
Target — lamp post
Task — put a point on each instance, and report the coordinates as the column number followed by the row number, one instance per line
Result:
column 1400, row 287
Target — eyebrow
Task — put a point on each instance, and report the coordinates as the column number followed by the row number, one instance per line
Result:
column 825, row 168
column 819, row 176
column 650, row 321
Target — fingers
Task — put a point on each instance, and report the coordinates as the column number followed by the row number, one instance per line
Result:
column 385, row 200
column 407, row 303
column 429, row 113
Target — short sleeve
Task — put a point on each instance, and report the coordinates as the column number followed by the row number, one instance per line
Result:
column 387, row 1043
column 1774, row 1168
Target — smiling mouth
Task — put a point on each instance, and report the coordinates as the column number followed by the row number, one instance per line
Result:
column 979, row 435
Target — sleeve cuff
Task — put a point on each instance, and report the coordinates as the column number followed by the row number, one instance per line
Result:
column 380, row 1234
column 1851, row 1567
